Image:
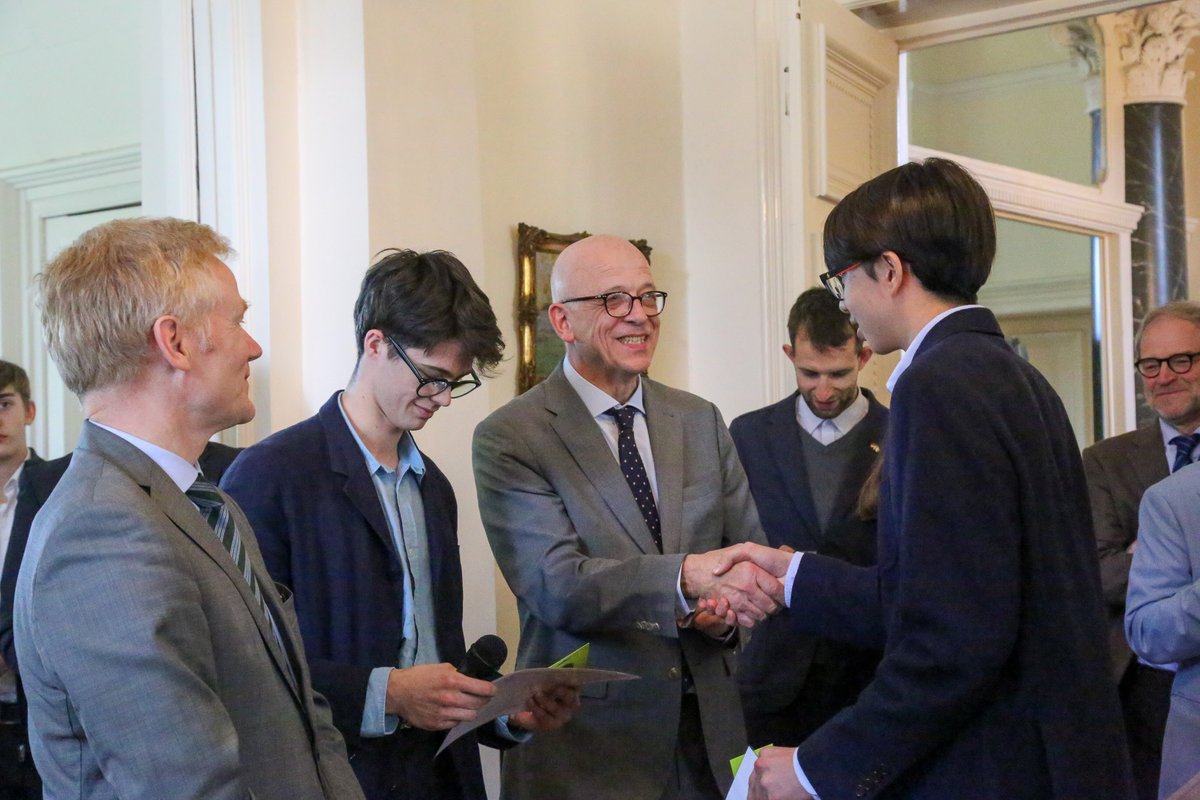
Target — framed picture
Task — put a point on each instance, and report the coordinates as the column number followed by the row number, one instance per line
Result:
column 539, row 348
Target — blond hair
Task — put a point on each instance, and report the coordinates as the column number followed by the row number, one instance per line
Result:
column 100, row 297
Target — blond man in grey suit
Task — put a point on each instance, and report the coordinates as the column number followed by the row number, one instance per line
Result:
column 603, row 526
column 159, row 659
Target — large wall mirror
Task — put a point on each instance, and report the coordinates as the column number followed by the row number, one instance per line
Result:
column 1025, row 111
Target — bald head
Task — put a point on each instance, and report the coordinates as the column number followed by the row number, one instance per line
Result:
column 609, row 351
column 586, row 256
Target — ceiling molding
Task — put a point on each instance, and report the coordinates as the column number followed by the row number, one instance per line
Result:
column 1001, row 19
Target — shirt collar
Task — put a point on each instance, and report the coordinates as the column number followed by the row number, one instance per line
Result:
column 843, row 422
column 409, row 457
column 181, row 473
column 10, row 487
column 1168, row 432
column 915, row 345
column 595, row 399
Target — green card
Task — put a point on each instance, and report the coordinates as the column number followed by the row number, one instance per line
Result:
column 576, row 660
column 736, row 763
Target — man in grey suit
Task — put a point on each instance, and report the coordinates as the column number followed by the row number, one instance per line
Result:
column 159, row 659
column 1119, row 470
column 602, row 493
column 1160, row 615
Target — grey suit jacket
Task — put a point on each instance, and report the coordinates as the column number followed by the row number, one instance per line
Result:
column 1162, row 616
column 1119, row 470
column 575, row 550
column 150, row 669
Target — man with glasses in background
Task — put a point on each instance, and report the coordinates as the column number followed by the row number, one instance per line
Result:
column 362, row 526
column 602, row 493
column 1119, row 470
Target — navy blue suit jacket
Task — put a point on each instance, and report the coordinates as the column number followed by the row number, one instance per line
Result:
column 323, row 533
column 774, row 666
column 986, row 599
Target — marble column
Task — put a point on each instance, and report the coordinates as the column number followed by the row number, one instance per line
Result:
column 1153, row 49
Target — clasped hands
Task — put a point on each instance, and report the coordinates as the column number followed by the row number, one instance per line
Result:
column 739, row 585
column 436, row 697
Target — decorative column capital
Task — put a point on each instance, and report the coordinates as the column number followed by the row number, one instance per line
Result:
column 1153, row 45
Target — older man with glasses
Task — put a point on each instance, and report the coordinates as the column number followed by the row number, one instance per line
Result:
column 362, row 526
column 601, row 492
column 1119, row 470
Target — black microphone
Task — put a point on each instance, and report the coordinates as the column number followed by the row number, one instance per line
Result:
column 484, row 659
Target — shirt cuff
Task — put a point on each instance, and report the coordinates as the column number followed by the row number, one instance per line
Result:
column 505, row 732
column 790, row 578
column 800, row 776
column 685, row 607
column 375, row 720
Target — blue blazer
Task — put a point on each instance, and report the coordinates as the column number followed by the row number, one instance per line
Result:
column 774, row 666
column 986, row 599
column 323, row 533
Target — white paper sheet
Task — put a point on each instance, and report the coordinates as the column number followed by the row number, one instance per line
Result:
column 741, row 781
column 514, row 690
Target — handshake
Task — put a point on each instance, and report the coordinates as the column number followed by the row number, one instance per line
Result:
column 742, row 584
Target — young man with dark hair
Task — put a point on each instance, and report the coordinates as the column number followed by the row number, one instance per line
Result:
column 362, row 526
column 807, row 457
column 986, row 597
column 18, row 778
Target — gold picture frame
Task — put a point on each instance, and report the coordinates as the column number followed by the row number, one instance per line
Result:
column 539, row 349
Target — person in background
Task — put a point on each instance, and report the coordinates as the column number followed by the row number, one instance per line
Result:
column 807, row 458
column 1119, row 469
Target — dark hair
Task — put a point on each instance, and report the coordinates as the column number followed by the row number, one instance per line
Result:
column 933, row 215
column 425, row 299
column 12, row 375
column 818, row 315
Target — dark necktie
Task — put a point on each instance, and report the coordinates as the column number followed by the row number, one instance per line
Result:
column 1184, row 447
column 212, row 507
column 635, row 471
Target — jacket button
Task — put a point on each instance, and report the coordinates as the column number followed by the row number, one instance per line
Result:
column 674, row 673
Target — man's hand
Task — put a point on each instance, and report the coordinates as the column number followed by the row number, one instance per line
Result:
column 547, row 710
column 435, row 697
column 732, row 573
column 774, row 776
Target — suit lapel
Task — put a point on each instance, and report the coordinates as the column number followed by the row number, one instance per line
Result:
column 787, row 452
column 861, row 459
column 1149, row 456
column 583, row 440
column 666, row 441
column 346, row 459
column 180, row 511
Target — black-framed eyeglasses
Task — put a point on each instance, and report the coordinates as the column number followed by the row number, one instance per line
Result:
column 833, row 283
column 1178, row 362
column 431, row 387
column 619, row 304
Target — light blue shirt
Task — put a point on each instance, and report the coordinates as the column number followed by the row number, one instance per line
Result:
column 400, row 498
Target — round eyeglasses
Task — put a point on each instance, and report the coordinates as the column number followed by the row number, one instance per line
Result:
column 1179, row 364
column 619, row 304
column 429, row 387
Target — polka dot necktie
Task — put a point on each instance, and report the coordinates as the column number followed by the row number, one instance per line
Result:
column 1184, row 447
column 635, row 471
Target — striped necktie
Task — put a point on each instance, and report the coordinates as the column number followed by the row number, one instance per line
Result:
column 1184, row 447
column 212, row 506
